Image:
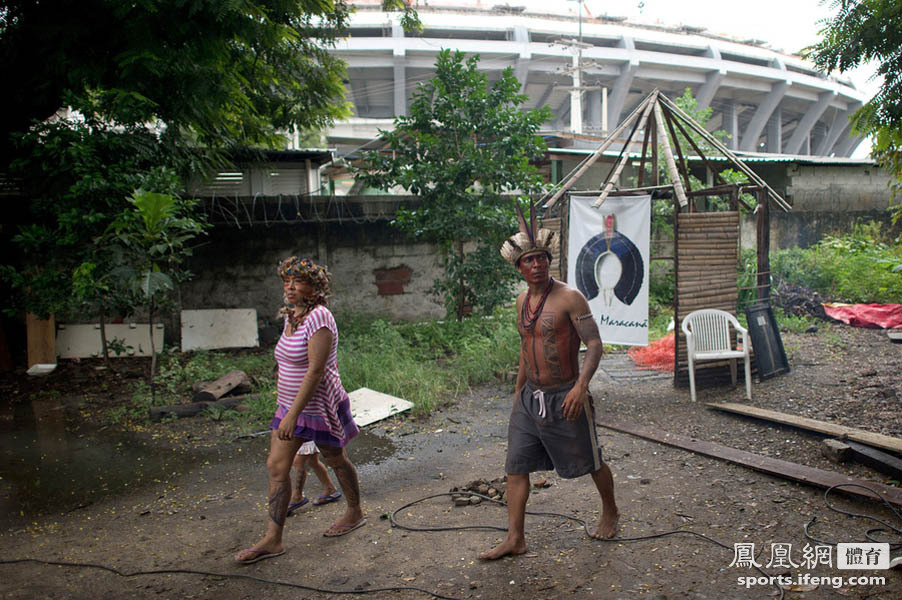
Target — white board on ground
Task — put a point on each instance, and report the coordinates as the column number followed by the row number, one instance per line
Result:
column 83, row 341
column 41, row 369
column 369, row 406
column 219, row 328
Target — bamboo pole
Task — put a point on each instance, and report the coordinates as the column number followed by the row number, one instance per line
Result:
column 726, row 152
column 613, row 176
column 675, row 141
column 668, row 158
column 717, row 178
column 645, row 139
column 573, row 176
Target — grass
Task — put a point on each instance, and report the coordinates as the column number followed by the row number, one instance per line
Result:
column 426, row 363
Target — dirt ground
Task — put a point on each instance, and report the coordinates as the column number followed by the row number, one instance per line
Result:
column 194, row 495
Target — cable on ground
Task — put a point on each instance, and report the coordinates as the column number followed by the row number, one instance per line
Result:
column 583, row 522
column 309, row 588
column 394, row 523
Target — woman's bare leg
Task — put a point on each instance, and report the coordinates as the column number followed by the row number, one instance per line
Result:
column 347, row 480
column 281, row 455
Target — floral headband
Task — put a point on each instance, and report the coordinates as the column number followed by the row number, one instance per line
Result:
column 305, row 270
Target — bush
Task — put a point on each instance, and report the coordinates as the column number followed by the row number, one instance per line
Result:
column 424, row 361
column 859, row 267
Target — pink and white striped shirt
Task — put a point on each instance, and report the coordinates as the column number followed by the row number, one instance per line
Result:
column 291, row 356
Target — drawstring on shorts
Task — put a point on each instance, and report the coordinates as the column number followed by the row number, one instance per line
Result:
column 540, row 396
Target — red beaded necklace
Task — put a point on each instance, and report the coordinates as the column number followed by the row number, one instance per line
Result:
column 528, row 317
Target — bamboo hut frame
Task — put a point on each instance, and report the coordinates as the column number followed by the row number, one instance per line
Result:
column 659, row 116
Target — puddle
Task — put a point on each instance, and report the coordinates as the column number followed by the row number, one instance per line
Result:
column 51, row 463
column 48, row 465
column 370, row 449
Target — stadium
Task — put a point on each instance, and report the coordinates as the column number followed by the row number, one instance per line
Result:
column 767, row 101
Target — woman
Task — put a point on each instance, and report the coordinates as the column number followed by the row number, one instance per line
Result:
column 312, row 404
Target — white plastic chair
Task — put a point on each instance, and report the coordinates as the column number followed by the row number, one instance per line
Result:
column 708, row 338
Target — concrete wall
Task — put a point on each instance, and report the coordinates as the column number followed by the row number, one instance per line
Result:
column 814, row 188
column 825, row 199
column 237, row 268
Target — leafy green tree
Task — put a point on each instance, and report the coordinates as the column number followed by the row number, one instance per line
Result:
column 219, row 71
column 76, row 176
column 465, row 146
column 153, row 236
column 861, row 32
column 109, row 92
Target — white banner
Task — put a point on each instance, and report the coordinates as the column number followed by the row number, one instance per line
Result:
column 607, row 260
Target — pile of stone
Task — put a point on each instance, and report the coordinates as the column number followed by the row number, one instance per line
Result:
column 494, row 489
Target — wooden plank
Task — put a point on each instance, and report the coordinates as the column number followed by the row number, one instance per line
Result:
column 762, row 232
column 876, row 459
column 706, row 295
column 211, row 391
column 708, row 246
column 706, row 221
column 711, row 301
column 698, row 286
column 158, row 413
column 764, row 464
column 692, row 260
column 41, row 340
column 839, row 431
column 710, row 216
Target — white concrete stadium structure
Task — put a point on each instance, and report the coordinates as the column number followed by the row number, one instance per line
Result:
column 767, row 100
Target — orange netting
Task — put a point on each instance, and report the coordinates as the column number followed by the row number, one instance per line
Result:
column 658, row 355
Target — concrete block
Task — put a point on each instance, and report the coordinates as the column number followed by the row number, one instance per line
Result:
column 219, row 328
column 83, row 341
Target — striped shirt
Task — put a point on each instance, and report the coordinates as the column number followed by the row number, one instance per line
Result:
column 291, row 356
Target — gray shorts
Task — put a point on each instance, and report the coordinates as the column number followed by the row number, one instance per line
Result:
column 540, row 440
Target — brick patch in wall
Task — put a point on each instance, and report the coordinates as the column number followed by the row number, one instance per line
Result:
column 392, row 281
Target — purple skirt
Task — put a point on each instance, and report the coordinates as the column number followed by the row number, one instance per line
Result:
column 313, row 428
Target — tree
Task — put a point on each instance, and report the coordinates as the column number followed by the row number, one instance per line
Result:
column 152, row 236
column 220, row 72
column 76, row 176
column 464, row 147
column 860, row 32
column 153, row 84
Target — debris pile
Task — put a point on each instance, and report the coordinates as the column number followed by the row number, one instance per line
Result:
column 494, row 489
column 798, row 300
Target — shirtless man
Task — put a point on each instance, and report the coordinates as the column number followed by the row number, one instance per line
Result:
column 552, row 422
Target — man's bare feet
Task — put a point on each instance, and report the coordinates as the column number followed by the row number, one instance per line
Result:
column 607, row 525
column 508, row 546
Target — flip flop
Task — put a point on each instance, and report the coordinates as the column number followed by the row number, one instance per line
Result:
column 326, row 499
column 296, row 505
column 260, row 555
column 337, row 530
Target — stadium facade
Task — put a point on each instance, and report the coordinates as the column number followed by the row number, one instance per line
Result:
column 767, row 100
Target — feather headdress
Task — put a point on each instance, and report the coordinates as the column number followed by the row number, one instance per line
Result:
column 530, row 239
